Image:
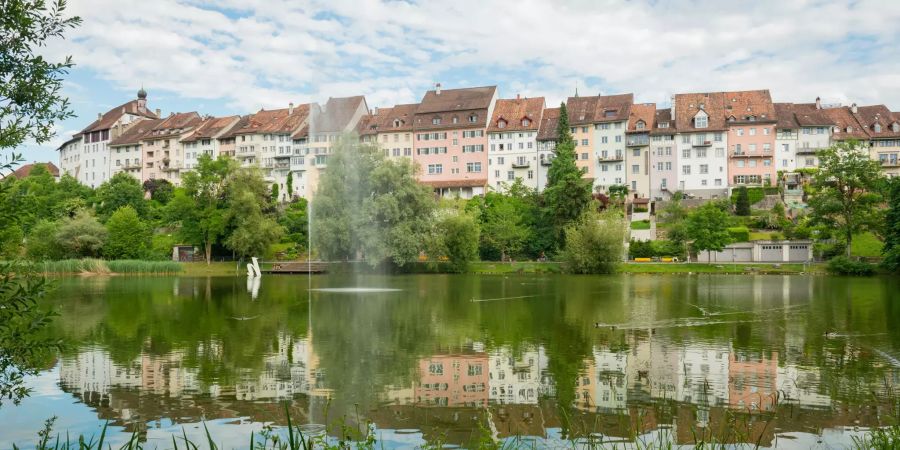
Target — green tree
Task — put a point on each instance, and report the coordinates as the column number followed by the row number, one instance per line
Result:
column 252, row 231
column 294, row 219
column 742, row 202
column 595, row 242
column 160, row 190
column 891, row 249
column 120, row 190
column 456, row 236
column 274, row 195
column 290, row 186
column 567, row 193
column 41, row 244
column 503, row 228
column 127, row 236
column 198, row 208
column 846, row 191
column 707, row 227
column 81, row 236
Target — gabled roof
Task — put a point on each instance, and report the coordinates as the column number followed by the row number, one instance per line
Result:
column 842, row 119
column 174, row 125
column 135, row 133
column 464, row 99
column 663, row 117
column 368, row 124
column 272, row 121
column 211, row 127
column 106, row 121
column 549, row 122
column 242, row 123
column 613, row 108
column 868, row 116
column 581, row 110
column 303, row 132
column 26, row 169
column 74, row 138
column 337, row 114
column 513, row 111
column 646, row 113
column 749, row 106
column 784, row 115
column 688, row 105
column 389, row 120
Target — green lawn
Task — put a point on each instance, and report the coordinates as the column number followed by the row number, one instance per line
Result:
column 215, row 268
column 866, row 245
column 515, row 267
column 640, row 225
column 767, row 268
column 765, row 235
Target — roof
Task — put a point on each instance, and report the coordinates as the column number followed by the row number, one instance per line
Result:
column 846, row 125
column 211, row 126
column 795, row 115
column 869, row 116
column 513, row 111
column 465, row 99
column 241, row 124
column 389, row 120
column 662, row 117
column 749, row 106
column 338, row 113
column 136, row 132
column 106, row 121
column 645, row 112
column 272, row 121
column 613, row 108
column 455, row 183
column 368, row 125
column 302, row 132
column 26, row 169
column 174, row 125
column 549, row 122
column 688, row 105
column 581, row 110
column 74, row 138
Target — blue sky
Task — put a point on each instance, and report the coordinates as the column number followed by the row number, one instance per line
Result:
column 236, row 56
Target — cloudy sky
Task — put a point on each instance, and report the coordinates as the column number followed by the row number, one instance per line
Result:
column 236, row 56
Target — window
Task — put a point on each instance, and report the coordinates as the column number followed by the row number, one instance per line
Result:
column 500, row 159
column 765, row 131
column 584, row 156
column 717, row 137
column 473, row 167
column 685, row 139
column 639, row 125
column 685, row 170
column 704, row 169
column 740, row 163
column 767, row 162
column 686, row 153
column 619, row 138
column 435, row 169
column 877, row 128
column 703, row 182
column 668, row 166
column 720, row 153
column 473, row 118
column 434, row 121
column 701, row 120
column 526, row 122
column 635, row 168
column 501, row 123
column 636, row 152
column 753, row 132
column 739, row 131
column 530, row 174
column 510, row 175
column 718, row 182
column 603, row 139
column 783, row 163
column 701, row 153
column 584, row 142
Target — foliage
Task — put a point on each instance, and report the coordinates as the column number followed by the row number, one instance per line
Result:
column 252, row 231
column 866, row 245
column 829, row 250
column 99, row 266
column 707, row 228
column 594, row 243
column 843, row 265
column 120, row 190
column 128, row 237
column 891, row 249
column 198, row 208
column 456, row 237
column 503, row 227
column 294, row 220
column 81, row 236
column 567, row 193
column 640, row 225
column 30, row 97
column 161, row 190
column 846, row 190
column 673, row 211
column 742, row 202
column 42, row 244
column 290, row 186
column 274, row 196
column 739, row 234
column 658, row 248
column 161, row 246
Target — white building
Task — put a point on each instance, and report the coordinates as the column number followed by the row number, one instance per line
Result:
column 204, row 140
column 610, row 387
column 701, row 141
column 70, row 157
column 703, row 376
column 512, row 143
column 610, row 124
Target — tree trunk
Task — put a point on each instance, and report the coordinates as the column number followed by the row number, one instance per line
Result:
column 208, row 251
column 849, row 242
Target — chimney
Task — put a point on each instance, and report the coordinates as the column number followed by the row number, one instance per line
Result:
column 853, row 108
column 99, row 116
column 158, row 112
column 518, row 96
column 290, row 108
column 437, row 88
column 818, row 102
column 375, row 111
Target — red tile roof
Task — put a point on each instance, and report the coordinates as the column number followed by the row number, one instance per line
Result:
column 581, row 110
column 389, row 120
column 613, row 108
column 106, row 121
column 688, row 105
column 174, row 125
column 869, row 116
column 847, row 127
column 25, row 170
column 272, row 121
column 136, row 132
column 211, row 126
column 663, row 117
column 549, row 122
column 514, row 112
column 337, row 114
column 452, row 108
column 646, row 113
column 749, row 106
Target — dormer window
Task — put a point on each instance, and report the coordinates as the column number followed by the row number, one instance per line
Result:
column 877, row 128
column 455, row 119
column 849, row 129
column 473, row 118
column 609, row 113
column 837, row 129
column 501, row 123
column 701, row 120
column 526, row 122
column 639, row 125
column 895, row 127
column 751, row 118
column 436, row 120
column 663, row 125
column 397, row 123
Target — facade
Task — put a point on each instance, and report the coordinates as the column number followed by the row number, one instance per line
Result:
column 796, row 251
column 326, row 125
column 453, row 380
column 883, row 128
column 546, row 143
column 126, row 150
column 512, row 138
column 204, row 140
column 609, row 140
column 637, row 149
column 391, row 129
column 70, row 156
column 751, row 120
column 451, row 140
column 161, row 152
column 700, row 144
column 663, row 161
column 581, row 112
column 95, row 158
column 801, row 131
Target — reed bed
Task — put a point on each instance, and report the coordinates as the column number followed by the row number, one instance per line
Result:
column 99, row 266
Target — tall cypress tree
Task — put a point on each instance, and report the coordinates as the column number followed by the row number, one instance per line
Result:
column 891, row 248
column 568, row 193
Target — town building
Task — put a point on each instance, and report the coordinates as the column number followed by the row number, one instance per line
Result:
column 609, row 126
column 512, row 140
column 883, row 128
column 802, row 129
column 339, row 118
column 546, row 143
column 70, row 156
column 125, row 150
column 700, row 144
column 94, row 168
column 581, row 112
column 751, row 120
column 663, row 161
column 453, row 380
column 637, row 153
column 451, row 140
column 161, row 153
column 25, row 170
column 391, row 129
column 205, row 140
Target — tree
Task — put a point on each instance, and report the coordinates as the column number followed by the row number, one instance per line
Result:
column 707, row 227
column 891, row 249
column 160, row 190
column 456, row 238
column 742, row 202
column 120, row 190
column 294, row 219
column 128, row 237
column 252, row 232
column 846, row 190
column 274, row 195
column 595, row 242
column 502, row 225
column 41, row 244
column 567, row 193
column 30, row 97
column 290, row 186
column 81, row 236
column 199, row 207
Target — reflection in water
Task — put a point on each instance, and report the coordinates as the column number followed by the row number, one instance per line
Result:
column 422, row 361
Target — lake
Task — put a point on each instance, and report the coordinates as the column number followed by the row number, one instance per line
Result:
column 788, row 361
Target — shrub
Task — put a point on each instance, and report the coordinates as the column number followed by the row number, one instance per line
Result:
column 41, row 244
column 127, row 236
column 739, row 234
column 842, row 265
column 457, row 240
column 741, row 199
column 826, row 250
column 641, row 249
column 594, row 242
column 81, row 236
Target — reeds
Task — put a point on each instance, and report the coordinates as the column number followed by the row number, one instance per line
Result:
column 99, row 266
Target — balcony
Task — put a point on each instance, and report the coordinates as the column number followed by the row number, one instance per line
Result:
column 521, row 164
column 173, row 168
column 746, row 154
column 702, row 143
column 547, row 161
column 637, row 141
column 282, row 165
column 890, row 163
column 281, row 156
column 807, row 151
column 131, row 166
column 617, row 157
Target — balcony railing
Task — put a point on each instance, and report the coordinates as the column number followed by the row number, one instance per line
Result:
column 547, row 161
column 282, row 165
column 890, row 163
column 748, row 154
column 637, row 141
column 611, row 158
column 285, row 155
column 807, row 151
column 702, row 143
column 521, row 164
column 130, row 166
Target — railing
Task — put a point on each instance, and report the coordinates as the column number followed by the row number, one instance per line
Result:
column 807, row 151
column 753, row 154
column 637, row 142
column 702, row 143
column 611, row 158
column 282, row 165
column 887, row 163
column 129, row 166
column 547, row 162
column 521, row 165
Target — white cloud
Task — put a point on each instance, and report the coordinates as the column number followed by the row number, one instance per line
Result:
column 266, row 53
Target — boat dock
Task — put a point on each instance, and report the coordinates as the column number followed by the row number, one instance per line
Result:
column 298, row 267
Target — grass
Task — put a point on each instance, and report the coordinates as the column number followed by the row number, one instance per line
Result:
column 491, row 267
column 213, row 269
column 866, row 245
column 99, row 266
column 765, row 235
column 767, row 268
column 640, row 225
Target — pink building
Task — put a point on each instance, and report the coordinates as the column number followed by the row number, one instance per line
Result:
column 453, row 380
column 750, row 117
column 450, row 139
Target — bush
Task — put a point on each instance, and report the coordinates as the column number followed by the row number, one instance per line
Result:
column 841, row 265
column 594, row 242
column 641, row 249
column 127, row 236
column 161, row 247
column 81, row 236
column 825, row 250
column 457, row 240
column 739, row 234
column 41, row 244
column 658, row 248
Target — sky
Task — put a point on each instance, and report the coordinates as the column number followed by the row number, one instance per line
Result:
column 236, row 56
